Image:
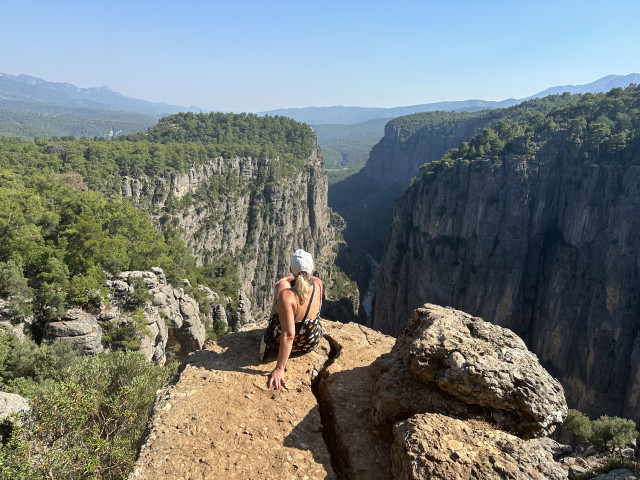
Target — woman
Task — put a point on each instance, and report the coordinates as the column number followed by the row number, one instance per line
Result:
column 294, row 325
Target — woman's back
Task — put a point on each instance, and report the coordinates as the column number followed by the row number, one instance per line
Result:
column 312, row 305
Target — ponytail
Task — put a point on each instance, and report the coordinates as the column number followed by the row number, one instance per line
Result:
column 302, row 287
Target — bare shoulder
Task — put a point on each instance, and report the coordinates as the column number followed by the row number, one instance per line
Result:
column 284, row 282
column 287, row 296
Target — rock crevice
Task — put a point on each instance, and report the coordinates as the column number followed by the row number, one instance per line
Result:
column 219, row 419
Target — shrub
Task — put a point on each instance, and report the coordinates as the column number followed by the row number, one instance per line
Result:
column 578, row 425
column 86, row 420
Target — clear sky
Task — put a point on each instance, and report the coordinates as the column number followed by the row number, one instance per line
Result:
column 244, row 55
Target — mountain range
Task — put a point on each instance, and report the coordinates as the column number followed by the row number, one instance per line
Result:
column 347, row 115
column 24, row 90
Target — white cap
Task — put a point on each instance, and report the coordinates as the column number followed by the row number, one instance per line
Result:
column 301, row 261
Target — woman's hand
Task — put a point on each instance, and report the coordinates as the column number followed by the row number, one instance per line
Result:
column 276, row 378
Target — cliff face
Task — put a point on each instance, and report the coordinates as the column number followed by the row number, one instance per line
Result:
column 547, row 245
column 365, row 200
column 255, row 211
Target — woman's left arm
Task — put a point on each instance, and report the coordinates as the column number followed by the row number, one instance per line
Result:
column 286, row 310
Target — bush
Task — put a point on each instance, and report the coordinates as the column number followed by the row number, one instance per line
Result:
column 87, row 418
column 578, row 425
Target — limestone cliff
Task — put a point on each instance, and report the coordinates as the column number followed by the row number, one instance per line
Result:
column 365, row 200
column 543, row 239
column 256, row 211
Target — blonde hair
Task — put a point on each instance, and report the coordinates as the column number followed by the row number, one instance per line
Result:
column 302, row 287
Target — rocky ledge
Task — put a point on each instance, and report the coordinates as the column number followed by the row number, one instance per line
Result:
column 360, row 406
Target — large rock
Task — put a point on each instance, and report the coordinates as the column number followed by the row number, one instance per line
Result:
column 439, row 447
column 398, row 395
column 482, row 364
column 80, row 328
column 172, row 317
column 11, row 403
column 442, row 367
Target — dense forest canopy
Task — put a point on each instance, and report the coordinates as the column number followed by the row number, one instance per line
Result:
column 176, row 144
column 605, row 127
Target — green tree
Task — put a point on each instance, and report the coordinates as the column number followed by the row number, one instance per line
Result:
column 612, row 432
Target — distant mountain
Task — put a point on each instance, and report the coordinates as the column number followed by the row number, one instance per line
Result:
column 602, row 85
column 32, row 107
column 348, row 115
column 18, row 91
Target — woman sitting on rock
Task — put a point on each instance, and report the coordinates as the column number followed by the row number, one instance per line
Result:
column 294, row 326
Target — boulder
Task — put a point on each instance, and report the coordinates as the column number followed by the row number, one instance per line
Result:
column 79, row 328
column 11, row 403
column 483, row 364
column 618, row 474
column 436, row 446
column 462, row 366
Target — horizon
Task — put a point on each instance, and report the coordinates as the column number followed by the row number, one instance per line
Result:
column 256, row 57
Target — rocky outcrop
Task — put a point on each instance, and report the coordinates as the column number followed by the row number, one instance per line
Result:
column 255, row 211
column 451, row 363
column 78, row 327
column 218, row 419
column 144, row 313
column 541, row 244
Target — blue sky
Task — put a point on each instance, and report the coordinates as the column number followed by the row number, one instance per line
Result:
column 259, row 55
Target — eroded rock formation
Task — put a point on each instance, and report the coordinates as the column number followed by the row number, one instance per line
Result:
column 168, row 318
column 218, row 419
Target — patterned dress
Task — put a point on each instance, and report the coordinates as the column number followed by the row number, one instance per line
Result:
column 308, row 331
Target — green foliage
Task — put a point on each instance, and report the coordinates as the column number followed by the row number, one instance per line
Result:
column 38, row 362
column 140, row 292
column 217, row 331
column 233, row 134
column 602, row 126
column 342, row 286
column 612, row 432
column 578, row 425
column 14, row 285
column 57, row 241
column 221, row 276
column 15, row 453
column 88, row 413
column 125, row 333
column 605, row 433
column 88, row 288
